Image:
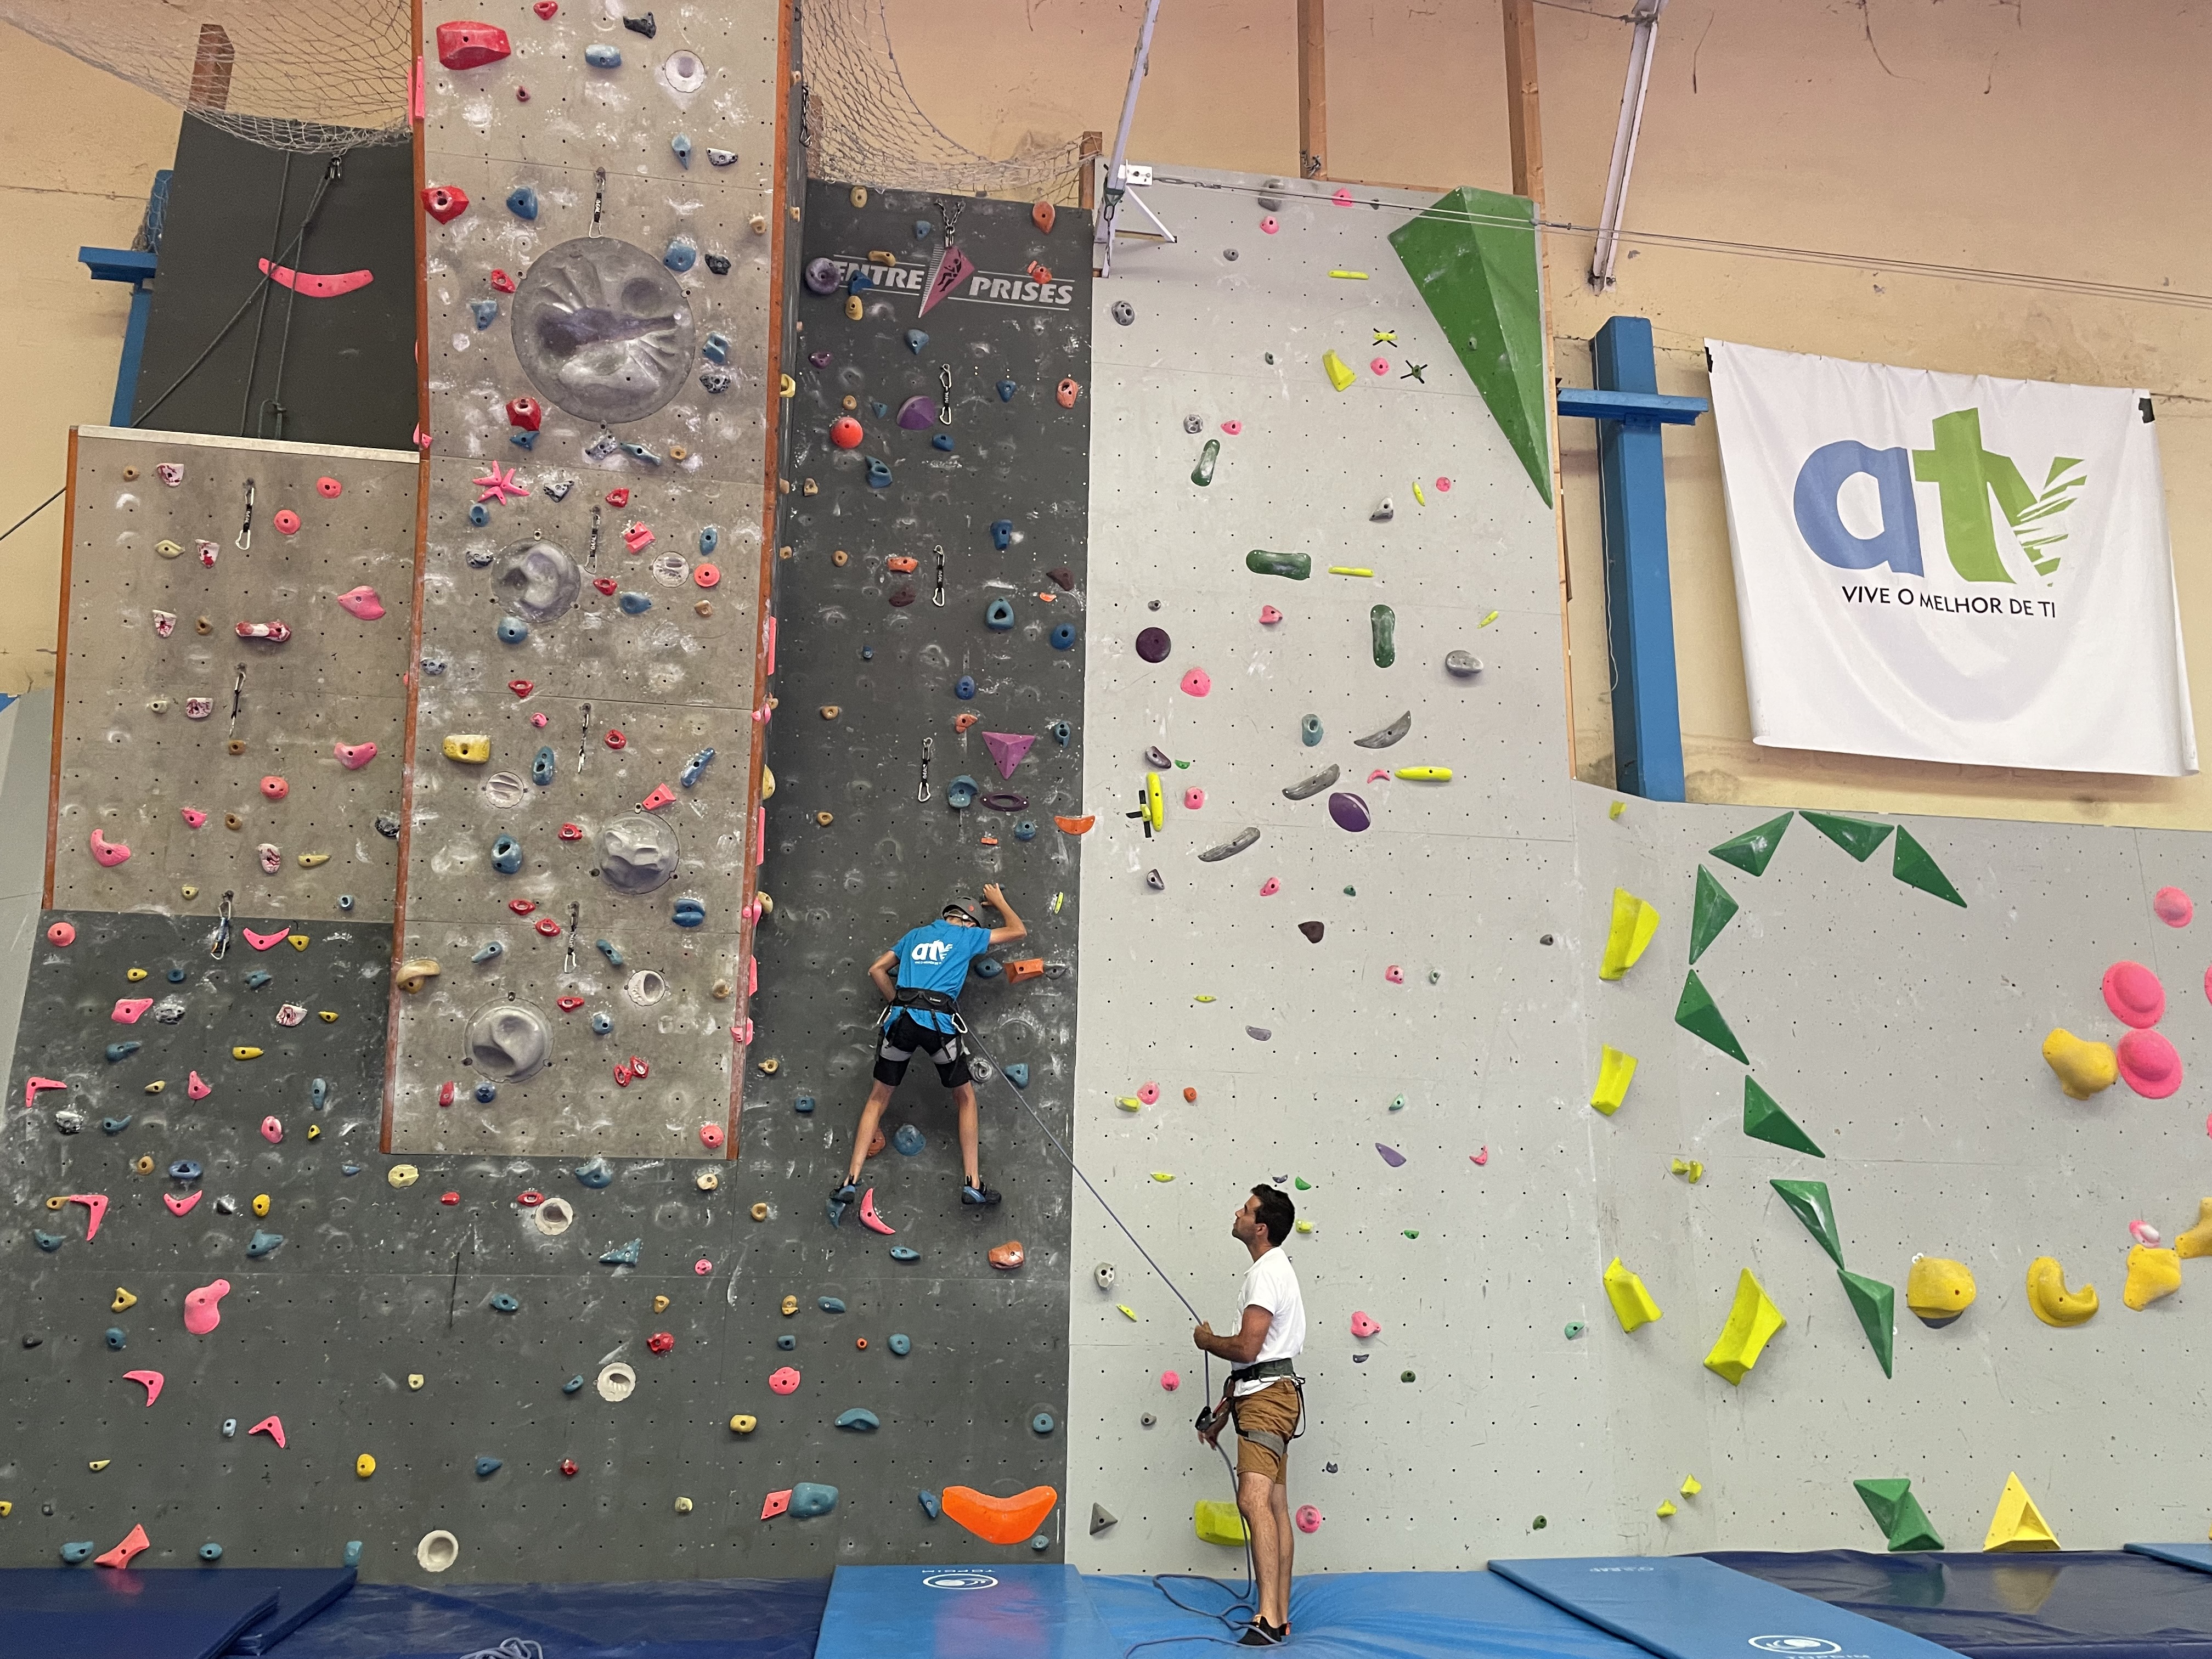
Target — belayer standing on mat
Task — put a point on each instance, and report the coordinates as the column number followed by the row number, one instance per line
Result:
column 931, row 964
column 1266, row 1397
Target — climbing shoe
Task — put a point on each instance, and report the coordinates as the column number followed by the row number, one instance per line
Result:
column 979, row 1197
column 1262, row 1634
column 846, row 1194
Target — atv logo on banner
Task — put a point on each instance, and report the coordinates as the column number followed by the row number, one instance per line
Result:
column 1948, row 568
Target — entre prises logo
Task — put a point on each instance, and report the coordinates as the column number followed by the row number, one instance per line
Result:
column 1968, row 479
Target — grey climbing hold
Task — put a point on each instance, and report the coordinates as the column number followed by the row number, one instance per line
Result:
column 1383, row 514
column 722, row 158
column 487, row 1466
column 644, row 26
column 1042, row 1424
column 1124, row 312
column 1154, row 880
column 1018, row 1073
column 229, row 1428
column 573, row 1385
column 504, row 1303
column 491, row 950
column 1041, row 1542
column 1103, row 1275
column 1247, row 836
column 902, row 1344
column 932, row 1505
column 830, row 1304
column 115, row 1126
column 624, row 1256
column 860, row 1419
column 1310, row 731
column 1193, row 424
column 1101, row 1518
column 905, row 1253
column 1314, row 785
column 1463, row 663
column 910, row 1140
column 812, row 1497
column 262, row 1243
column 1148, row 1419
column 787, row 1342
column 1388, row 735
column 1258, row 1033
column 915, row 339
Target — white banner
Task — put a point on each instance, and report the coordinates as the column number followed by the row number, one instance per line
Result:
column 1951, row 567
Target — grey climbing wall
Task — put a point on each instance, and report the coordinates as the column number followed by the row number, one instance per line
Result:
column 149, row 718
column 599, row 618
column 870, row 661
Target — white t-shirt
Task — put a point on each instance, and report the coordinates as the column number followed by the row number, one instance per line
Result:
column 1272, row 1284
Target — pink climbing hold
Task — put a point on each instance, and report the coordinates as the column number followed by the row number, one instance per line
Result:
column 1268, row 226
column 2148, row 1065
column 353, row 756
column 1482, row 1157
column 109, row 853
column 133, row 1542
column 197, row 1087
column 1362, row 1326
column 273, row 1130
column 1395, row 974
column 153, row 1379
column 702, row 1267
column 783, row 1380
column 2133, row 994
column 1270, row 887
column 1269, row 615
column 1232, row 428
column 871, row 1220
column 266, row 941
column 775, row 1503
column 193, row 816
column 1308, row 1518
column 34, row 1086
column 1444, row 486
column 2143, row 1233
column 95, row 1206
column 1379, row 772
column 179, row 1205
column 363, row 603
column 1343, row 197
column 127, row 1009
column 1196, row 684
column 2172, row 906
column 710, row 1135
column 1192, row 799
column 273, row 1426
column 1378, row 366
column 1150, row 1094
column 1006, row 749
column 62, row 933
column 203, row 1315
column 1170, row 1381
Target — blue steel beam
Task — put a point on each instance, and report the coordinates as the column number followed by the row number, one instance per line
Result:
column 121, row 265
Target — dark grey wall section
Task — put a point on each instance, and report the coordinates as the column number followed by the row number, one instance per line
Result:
column 886, row 861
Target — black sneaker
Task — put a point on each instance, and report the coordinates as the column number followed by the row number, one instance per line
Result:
column 846, row 1194
column 1262, row 1634
column 979, row 1197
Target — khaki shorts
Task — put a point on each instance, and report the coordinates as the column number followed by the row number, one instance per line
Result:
column 1273, row 1410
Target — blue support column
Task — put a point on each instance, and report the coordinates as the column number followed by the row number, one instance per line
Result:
column 1639, row 606
column 117, row 265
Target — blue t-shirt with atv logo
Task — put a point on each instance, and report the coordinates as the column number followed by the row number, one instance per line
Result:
column 936, row 957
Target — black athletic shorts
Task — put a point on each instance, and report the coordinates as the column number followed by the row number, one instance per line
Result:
column 906, row 1036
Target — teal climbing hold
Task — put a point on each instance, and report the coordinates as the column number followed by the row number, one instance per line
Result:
column 115, row 1339
column 75, row 1554
column 1042, row 1424
column 1000, row 615
column 597, row 1172
column 1754, row 849
column 623, row 1256
column 504, row 1303
column 1855, row 835
column 607, row 950
column 47, row 1241
column 1696, row 1013
column 831, row 1304
column 932, row 1505
column 1911, row 865
column 122, row 1050
column 1713, row 910
column 900, row 1344
column 905, row 1253
column 262, row 1243
column 812, row 1497
column 1018, row 1074
column 573, row 1385
column 861, row 1419
column 910, row 1140
column 487, row 1466
column 211, row 1552
column 786, row 1342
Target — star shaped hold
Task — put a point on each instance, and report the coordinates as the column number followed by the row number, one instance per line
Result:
column 1386, row 337
column 499, row 486
column 1413, row 373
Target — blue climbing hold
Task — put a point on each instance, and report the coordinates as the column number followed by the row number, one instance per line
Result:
column 1063, row 636
column 319, row 1091
column 123, row 1051
column 915, row 339
column 596, row 1173
column 867, row 653
column 803, row 1104
column 490, row 950
column 353, row 1553
column 960, row 794
column 487, row 312
column 812, row 1497
column 623, row 1256
column 573, row 1385
column 633, row 603
column 922, row 227
column 987, row 968
column 1002, row 532
column 942, row 441
column 506, row 855
column 1005, row 391
column 900, row 1344
column 880, row 410
column 709, row 539
column 681, row 255
column 541, row 768
column 694, row 766
column 258, row 978
column 47, row 1241
column 76, row 1553
column 607, row 950
column 487, row 1466
column 479, row 515
column 1025, row 829
column 879, row 474
column 1018, row 1073
column 786, row 1342
column 349, row 1169
column 830, row 1304
column 905, row 1253
column 931, row 1505
column 716, row 350
column 964, row 687
column 1000, row 615
column 211, row 1552
column 1041, row 1423
column 185, row 1168
column 861, row 1419
column 638, row 451
column 115, row 1337
column 262, row 1243
column 486, row 1092
column 513, row 630
column 525, row 438
column 689, row 913
column 600, row 56
column 522, row 202
column 602, row 1022
column 1062, row 732
column 176, row 976
column 115, row 1126
column 504, row 1303
column 345, row 901
column 910, row 1140
column 682, row 146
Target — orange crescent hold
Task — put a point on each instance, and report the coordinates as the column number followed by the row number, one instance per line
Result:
column 319, row 288
column 1000, row 1520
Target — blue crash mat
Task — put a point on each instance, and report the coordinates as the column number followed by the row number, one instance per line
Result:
column 2198, row 1556
column 1684, row 1607
column 685, row 1619
column 1038, row 1612
column 2071, row 1604
column 301, row 1593
column 1364, row 1615
column 101, row 1612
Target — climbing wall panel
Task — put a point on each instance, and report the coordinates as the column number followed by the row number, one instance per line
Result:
column 860, row 849
column 600, row 375
column 1439, row 1010
column 166, row 710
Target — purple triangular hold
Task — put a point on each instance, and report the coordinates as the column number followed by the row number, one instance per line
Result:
column 1391, row 1155
column 1007, row 750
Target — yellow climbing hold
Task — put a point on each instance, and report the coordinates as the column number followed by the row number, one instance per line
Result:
column 2152, row 1273
column 1350, row 276
column 297, row 941
column 157, row 1086
column 1751, row 1324
column 1613, row 811
column 683, row 1506
column 243, row 1051
column 312, row 861
column 743, row 1423
column 2083, row 1068
column 1689, row 1168
column 1201, row 999
column 364, row 1466
column 474, row 748
column 123, row 1300
column 1419, row 499
column 1349, row 570
column 661, row 1304
column 1616, row 1071
column 261, row 1204
column 1339, row 376
column 1665, row 1510
column 1219, row 1522
column 1129, row 1102
column 1156, row 802
column 1633, row 924
column 98, row 1464
column 1127, row 1311
column 1305, row 1226
column 1162, row 1175
column 790, row 1306
column 2197, row 1240
column 1617, row 806
column 2019, row 1525
column 328, row 1016
column 414, row 1380
column 1938, row 1290
column 403, row 1174
column 134, row 974
column 2049, row 1299
column 315, row 1132
column 1425, row 773
column 1632, row 1304
column 1691, row 1486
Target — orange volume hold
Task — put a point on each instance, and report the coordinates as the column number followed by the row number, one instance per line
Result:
column 1000, row 1520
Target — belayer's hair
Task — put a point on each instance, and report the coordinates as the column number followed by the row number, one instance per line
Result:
column 1276, row 1212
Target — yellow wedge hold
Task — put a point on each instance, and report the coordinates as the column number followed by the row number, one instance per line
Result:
column 2197, row 1240
column 1615, row 1072
column 1632, row 1304
column 1751, row 1324
column 2152, row 1273
column 2019, row 1525
column 1340, row 376
column 1633, row 924
column 1217, row 1522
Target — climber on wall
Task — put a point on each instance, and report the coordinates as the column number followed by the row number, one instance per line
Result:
column 921, row 978
column 1266, row 1397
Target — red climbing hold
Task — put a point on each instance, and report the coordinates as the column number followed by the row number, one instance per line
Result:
column 845, row 432
column 445, row 1094
column 548, row 928
column 783, row 1380
column 134, row 1541
column 500, row 280
column 471, row 45
column 445, row 203
column 775, row 1503
column 568, row 1466
column 568, row 1005
column 522, row 907
column 526, row 413
column 571, row 832
column 661, row 797
column 660, row 1341
column 449, row 1199
column 545, row 9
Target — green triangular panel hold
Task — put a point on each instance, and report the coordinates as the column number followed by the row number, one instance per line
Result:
column 1754, row 850
column 1899, row 1514
column 1473, row 255
column 1764, row 1119
column 1855, row 835
column 1695, row 1012
column 1714, row 906
column 1809, row 1200
column 1875, row 1303
column 1911, row 865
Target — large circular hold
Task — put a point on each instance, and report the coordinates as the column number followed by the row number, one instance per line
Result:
column 1349, row 811
column 616, row 1382
column 2149, row 1064
column 437, row 1551
column 603, row 329
column 684, row 71
column 2133, row 994
column 1152, row 645
column 2172, row 906
column 510, row 1040
column 553, row 1217
column 821, row 276
column 539, row 580
column 637, row 854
